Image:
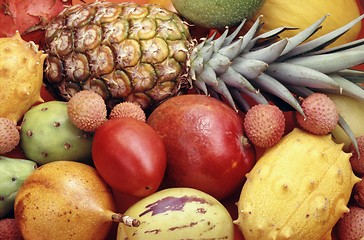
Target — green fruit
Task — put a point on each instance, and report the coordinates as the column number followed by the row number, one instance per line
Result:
column 47, row 135
column 217, row 13
column 13, row 172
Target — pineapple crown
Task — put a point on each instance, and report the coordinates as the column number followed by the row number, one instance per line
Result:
column 264, row 65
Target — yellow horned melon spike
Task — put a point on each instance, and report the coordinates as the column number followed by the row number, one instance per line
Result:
column 21, row 76
column 298, row 189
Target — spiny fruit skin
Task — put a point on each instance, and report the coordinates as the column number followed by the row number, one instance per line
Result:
column 357, row 163
column 264, row 125
column 124, row 51
column 128, row 109
column 21, row 78
column 9, row 135
column 9, row 229
column 298, row 189
column 351, row 225
column 320, row 112
column 87, row 110
column 13, row 172
column 47, row 135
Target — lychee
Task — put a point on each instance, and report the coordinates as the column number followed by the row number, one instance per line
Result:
column 358, row 193
column 320, row 112
column 351, row 225
column 9, row 135
column 128, row 109
column 9, row 229
column 357, row 160
column 264, row 125
column 87, row 110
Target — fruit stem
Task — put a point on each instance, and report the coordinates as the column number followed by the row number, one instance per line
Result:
column 127, row 220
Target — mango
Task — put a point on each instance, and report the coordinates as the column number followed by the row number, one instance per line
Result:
column 298, row 189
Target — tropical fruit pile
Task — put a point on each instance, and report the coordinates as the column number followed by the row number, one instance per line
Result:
column 168, row 119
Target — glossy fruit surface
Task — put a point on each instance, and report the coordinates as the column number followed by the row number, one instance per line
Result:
column 129, row 155
column 204, row 141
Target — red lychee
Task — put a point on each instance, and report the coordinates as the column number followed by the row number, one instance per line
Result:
column 320, row 112
column 9, row 135
column 264, row 125
column 128, row 109
column 351, row 225
column 87, row 110
column 357, row 162
column 9, row 229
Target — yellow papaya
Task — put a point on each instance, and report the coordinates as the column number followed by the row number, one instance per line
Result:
column 301, row 14
column 298, row 189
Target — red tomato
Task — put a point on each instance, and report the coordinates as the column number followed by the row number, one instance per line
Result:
column 204, row 140
column 130, row 156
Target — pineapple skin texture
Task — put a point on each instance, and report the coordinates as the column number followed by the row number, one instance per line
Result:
column 21, row 76
column 297, row 190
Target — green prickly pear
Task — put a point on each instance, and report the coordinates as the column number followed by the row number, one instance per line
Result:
column 47, row 135
column 13, row 172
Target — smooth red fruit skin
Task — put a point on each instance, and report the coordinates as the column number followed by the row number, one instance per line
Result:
column 204, row 143
column 130, row 156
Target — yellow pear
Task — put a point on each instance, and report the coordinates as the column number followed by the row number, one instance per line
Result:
column 65, row 200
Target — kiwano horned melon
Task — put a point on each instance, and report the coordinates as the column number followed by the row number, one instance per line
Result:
column 21, row 76
column 297, row 190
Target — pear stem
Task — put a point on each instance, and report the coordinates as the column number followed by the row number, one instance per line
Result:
column 127, row 220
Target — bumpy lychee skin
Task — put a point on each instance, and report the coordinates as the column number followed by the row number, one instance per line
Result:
column 9, row 229
column 351, row 225
column 264, row 125
column 358, row 193
column 357, row 162
column 9, row 135
column 128, row 109
column 87, row 110
column 320, row 112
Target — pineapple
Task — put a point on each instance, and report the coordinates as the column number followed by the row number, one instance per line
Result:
column 145, row 54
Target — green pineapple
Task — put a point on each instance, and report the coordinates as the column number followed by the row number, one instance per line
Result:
column 145, row 54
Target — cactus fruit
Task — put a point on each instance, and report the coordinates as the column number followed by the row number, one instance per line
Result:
column 13, row 172
column 178, row 213
column 47, row 134
column 9, row 230
column 298, row 189
column 21, row 78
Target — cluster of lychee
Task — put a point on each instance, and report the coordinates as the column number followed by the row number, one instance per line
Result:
column 265, row 124
column 87, row 110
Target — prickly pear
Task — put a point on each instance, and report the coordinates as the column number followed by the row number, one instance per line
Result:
column 13, row 172
column 47, row 135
